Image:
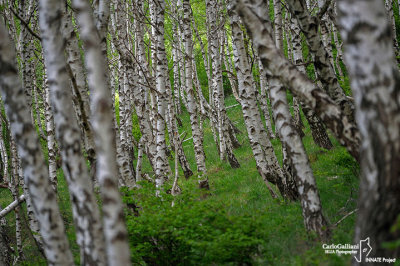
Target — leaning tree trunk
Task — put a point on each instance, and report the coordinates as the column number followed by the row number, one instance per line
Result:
column 79, row 86
column 262, row 98
column 375, row 82
column 255, row 14
column 102, row 121
column 318, row 131
column 267, row 163
column 309, row 26
column 300, row 85
column 36, row 176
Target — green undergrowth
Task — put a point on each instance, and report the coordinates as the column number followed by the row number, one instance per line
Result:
column 236, row 222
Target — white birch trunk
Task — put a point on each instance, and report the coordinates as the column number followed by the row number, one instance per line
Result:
column 102, row 121
column 36, row 176
column 192, row 107
column 267, row 163
column 80, row 186
column 374, row 76
column 299, row 84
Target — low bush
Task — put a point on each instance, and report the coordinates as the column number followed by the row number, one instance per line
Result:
column 195, row 231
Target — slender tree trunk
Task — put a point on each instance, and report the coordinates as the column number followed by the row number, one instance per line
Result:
column 139, row 160
column 318, row 131
column 51, row 142
column 102, row 121
column 79, row 86
column 192, row 107
column 372, row 66
column 161, row 69
column 225, row 144
column 141, row 91
column 37, row 111
column 124, row 147
column 262, row 98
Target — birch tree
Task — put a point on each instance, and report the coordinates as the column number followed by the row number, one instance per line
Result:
column 87, row 223
column 371, row 62
column 192, row 107
column 309, row 26
column 225, row 144
column 300, row 85
column 102, row 121
column 36, row 176
column 267, row 163
column 254, row 14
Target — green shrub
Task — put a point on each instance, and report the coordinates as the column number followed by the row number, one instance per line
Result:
column 194, row 231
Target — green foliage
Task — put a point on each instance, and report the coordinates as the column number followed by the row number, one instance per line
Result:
column 192, row 232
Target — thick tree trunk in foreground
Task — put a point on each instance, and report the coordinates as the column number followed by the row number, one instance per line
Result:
column 84, row 205
column 102, row 121
column 375, row 81
column 36, row 176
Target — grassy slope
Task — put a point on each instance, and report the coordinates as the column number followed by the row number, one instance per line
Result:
column 242, row 192
column 236, row 193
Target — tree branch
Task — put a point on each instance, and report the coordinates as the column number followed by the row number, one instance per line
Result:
column 26, row 25
column 12, row 206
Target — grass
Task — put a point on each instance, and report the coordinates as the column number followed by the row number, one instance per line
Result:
column 236, row 193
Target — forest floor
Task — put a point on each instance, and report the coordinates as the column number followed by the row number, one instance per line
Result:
column 236, row 221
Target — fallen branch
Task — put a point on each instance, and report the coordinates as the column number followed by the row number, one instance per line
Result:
column 344, row 217
column 187, row 139
column 12, row 206
column 229, row 107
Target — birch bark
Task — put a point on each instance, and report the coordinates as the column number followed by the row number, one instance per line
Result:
column 374, row 75
column 309, row 26
column 192, row 107
column 102, row 121
column 36, row 176
column 303, row 88
column 267, row 163
column 84, row 206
